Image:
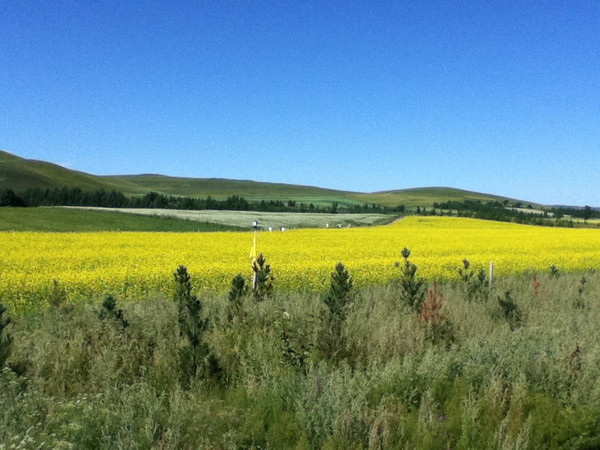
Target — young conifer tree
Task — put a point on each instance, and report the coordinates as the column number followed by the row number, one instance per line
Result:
column 336, row 300
column 6, row 339
column 195, row 356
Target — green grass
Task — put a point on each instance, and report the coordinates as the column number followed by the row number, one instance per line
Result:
column 412, row 198
column 75, row 379
column 71, row 220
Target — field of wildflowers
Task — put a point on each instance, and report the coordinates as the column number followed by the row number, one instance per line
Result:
column 137, row 264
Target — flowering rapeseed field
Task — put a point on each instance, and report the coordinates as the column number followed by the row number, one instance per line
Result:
column 137, row 264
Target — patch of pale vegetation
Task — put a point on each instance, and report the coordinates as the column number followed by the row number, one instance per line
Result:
column 276, row 220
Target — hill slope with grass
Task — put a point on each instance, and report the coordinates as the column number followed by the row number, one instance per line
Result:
column 18, row 174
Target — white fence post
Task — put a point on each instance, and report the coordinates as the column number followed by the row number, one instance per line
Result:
column 491, row 273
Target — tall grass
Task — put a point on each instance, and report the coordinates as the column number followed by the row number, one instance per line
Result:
column 75, row 379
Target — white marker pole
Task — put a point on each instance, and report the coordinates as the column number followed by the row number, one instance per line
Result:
column 491, row 273
column 254, row 275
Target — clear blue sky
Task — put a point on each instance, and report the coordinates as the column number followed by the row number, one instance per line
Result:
column 500, row 97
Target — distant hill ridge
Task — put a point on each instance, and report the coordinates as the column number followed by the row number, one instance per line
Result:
column 17, row 173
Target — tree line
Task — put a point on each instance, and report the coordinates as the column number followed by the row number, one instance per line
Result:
column 115, row 199
column 502, row 211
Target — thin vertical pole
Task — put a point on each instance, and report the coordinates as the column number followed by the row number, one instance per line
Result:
column 255, row 274
column 491, row 273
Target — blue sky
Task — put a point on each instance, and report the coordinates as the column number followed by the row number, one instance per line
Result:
column 500, row 97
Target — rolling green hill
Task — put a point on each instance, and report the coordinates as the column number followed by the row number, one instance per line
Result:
column 18, row 173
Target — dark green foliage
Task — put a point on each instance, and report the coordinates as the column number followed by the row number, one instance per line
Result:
column 412, row 288
column 337, row 300
column 263, row 281
column 554, row 272
column 581, row 288
column 296, row 347
column 587, row 213
column 58, row 295
column 236, row 296
column 476, row 286
column 465, row 274
column 6, row 340
column 195, row 356
column 338, row 297
column 109, row 312
column 9, row 198
column 510, row 310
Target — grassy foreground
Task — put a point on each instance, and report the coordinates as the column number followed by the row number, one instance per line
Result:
column 79, row 379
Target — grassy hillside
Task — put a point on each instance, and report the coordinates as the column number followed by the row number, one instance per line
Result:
column 251, row 190
column 426, row 196
column 68, row 220
column 18, row 173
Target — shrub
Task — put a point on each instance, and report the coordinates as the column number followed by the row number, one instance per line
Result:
column 6, row 339
column 336, row 301
column 510, row 310
column 195, row 356
column 296, row 348
column 412, row 288
column 440, row 328
column 58, row 295
column 581, row 288
column 238, row 291
column 263, row 284
column 476, row 286
column 110, row 312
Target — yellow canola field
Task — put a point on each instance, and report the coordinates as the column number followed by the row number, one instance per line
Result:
column 136, row 264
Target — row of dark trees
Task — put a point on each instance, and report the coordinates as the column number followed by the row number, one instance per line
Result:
column 116, row 199
column 495, row 210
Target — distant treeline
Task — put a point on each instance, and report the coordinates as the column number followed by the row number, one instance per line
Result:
column 116, row 199
column 502, row 211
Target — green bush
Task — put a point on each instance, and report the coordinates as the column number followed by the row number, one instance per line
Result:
column 6, row 339
column 412, row 288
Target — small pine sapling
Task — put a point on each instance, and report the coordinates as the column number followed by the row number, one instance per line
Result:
column 581, row 289
column 263, row 286
column 6, row 339
column 475, row 285
column 195, row 356
column 336, row 300
column 412, row 288
column 465, row 274
column 58, row 295
column 510, row 310
column 238, row 291
column 537, row 287
column 109, row 312
column 432, row 316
